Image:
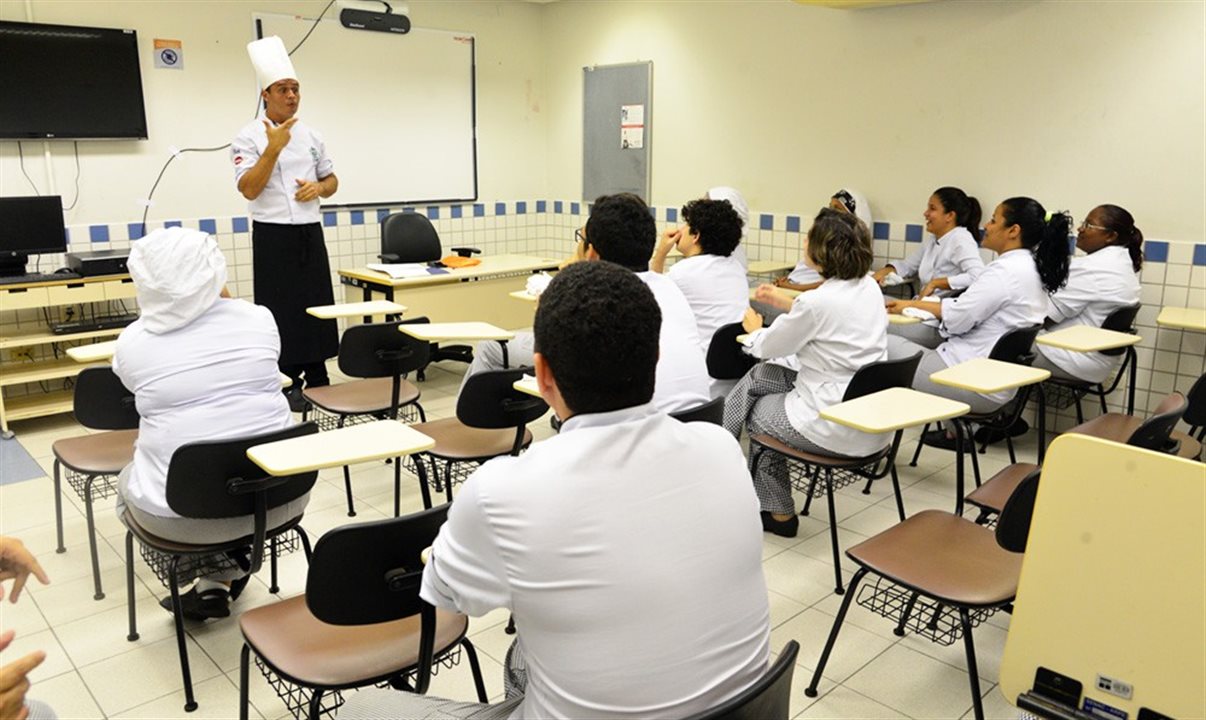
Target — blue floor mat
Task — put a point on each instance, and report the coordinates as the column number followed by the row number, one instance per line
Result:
column 16, row 465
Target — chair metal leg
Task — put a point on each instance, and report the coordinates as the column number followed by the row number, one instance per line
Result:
column 398, row 487
column 812, row 485
column 974, row 457
column 132, row 635
column 933, row 623
column 347, row 488
column 244, row 681
column 970, row 646
column 959, row 479
column 896, row 490
column 1104, row 408
column 315, row 704
column 917, row 452
column 58, row 508
column 421, row 469
column 1130, row 388
column 478, row 683
column 899, row 630
column 99, row 593
column 811, row 690
column 833, row 534
column 190, row 703
column 1013, row 458
column 1041, row 452
column 273, row 586
column 305, row 541
column 447, row 479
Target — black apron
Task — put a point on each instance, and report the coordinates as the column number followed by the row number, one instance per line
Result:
column 291, row 274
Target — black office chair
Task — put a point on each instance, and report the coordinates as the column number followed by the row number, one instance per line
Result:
column 804, row 468
column 767, row 699
column 1121, row 320
column 1195, row 413
column 726, row 358
column 215, row 479
column 712, row 411
column 100, row 402
column 361, row 621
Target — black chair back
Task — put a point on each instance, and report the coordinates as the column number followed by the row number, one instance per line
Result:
column 881, row 375
column 1154, row 433
column 380, row 350
column 490, row 400
column 101, row 402
column 726, row 358
column 767, row 699
column 712, row 411
column 1121, row 320
column 1016, row 346
column 1195, row 411
column 1013, row 526
column 409, row 237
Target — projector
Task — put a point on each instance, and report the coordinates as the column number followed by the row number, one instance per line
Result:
column 369, row 20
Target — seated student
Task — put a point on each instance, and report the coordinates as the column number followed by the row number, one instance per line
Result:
column 710, row 278
column 202, row 366
column 1011, row 293
column 832, row 332
column 947, row 260
column 804, row 277
column 743, row 211
column 621, row 230
column 626, row 547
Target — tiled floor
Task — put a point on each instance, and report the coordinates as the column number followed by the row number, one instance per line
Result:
column 91, row 671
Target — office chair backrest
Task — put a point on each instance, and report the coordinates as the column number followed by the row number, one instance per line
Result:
column 409, row 237
column 726, row 358
column 1013, row 526
column 881, row 375
column 101, row 402
column 1121, row 320
column 767, row 699
column 1154, row 433
column 1016, row 346
column 381, row 350
column 490, row 401
column 371, row 572
column 712, row 411
column 1195, row 412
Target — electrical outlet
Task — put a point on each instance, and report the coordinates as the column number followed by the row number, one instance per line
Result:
column 23, row 353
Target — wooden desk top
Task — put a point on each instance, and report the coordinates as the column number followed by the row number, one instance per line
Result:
column 64, row 281
column 1112, row 578
column 524, row 295
column 360, row 309
column 989, row 376
column 768, row 267
column 893, row 409
column 490, row 265
column 440, row 332
column 894, row 319
column 527, row 384
column 1183, row 318
column 333, row 448
column 96, row 352
column 1086, row 338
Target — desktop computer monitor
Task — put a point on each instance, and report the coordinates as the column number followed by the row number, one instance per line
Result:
column 29, row 226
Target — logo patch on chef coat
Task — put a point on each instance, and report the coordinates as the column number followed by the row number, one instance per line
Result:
column 314, row 154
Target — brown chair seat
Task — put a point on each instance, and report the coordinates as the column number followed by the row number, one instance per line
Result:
column 1190, row 449
column 306, row 649
column 835, row 461
column 360, row 397
column 104, row 453
column 997, row 489
column 1111, row 426
column 955, row 560
column 456, row 441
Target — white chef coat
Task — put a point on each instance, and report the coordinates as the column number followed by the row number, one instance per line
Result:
column 1098, row 284
column 804, row 275
column 215, row 377
column 832, row 331
column 954, row 256
column 682, row 372
column 629, row 550
column 305, row 157
column 716, row 289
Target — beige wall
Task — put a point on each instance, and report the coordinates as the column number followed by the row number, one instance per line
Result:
column 205, row 104
column 1074, row 103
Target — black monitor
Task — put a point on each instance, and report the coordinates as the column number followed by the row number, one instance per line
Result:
column 29, row 226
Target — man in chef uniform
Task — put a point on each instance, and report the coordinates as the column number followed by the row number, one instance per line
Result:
column 282, row 168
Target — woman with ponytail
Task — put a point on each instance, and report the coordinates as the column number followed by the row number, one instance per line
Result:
column 1101, row 281
column 1011, row 293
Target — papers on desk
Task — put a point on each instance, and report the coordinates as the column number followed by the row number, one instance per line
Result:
column 405, row 270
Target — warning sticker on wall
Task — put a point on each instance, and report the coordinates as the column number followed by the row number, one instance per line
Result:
column 169, row 54
column 632, row 126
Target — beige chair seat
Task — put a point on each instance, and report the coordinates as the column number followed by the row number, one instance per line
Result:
column 360, row 397
column 955, row 560
column 993, row 493
column 1190, row 449
column 103, row 453
column 306, row 649
column 457, row 441
column 835, row 461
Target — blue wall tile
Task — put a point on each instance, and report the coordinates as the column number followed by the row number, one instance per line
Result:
column 575, row 208
column 433, row 212
column 558, row 207
column 328, row 219
column 913, row 233
column 542, row 206
column 382, row 214
column 408, row 210
column 173, row 223
column 357, row 217
column 208, row 225
column 881, row 231
column 793, row 223
column 457, row 211
column 521, row 207
column 134, row 230
column 500, row 208
column 238, row 224
column 98, row 233
column 1155, row 251
column 766, row 222
column 672, row 215
column 479, row 210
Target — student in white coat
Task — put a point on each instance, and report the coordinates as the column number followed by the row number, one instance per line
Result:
column 831, row 332
column 626, row 547
column 621, row 230
column 739, row 204
column 710, row 278
column 805, row 277
column 1011, row 293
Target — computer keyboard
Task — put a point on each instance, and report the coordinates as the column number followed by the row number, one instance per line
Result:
column 90, row 325
column 37, row 277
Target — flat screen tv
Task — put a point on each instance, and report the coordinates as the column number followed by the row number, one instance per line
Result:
column 71, row 83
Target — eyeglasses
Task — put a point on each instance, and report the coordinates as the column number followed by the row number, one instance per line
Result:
column 578, row 236
column 1086, row 225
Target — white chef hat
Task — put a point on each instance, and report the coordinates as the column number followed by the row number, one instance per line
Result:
column 736, row 200
column 178, row 274
column 271, row 61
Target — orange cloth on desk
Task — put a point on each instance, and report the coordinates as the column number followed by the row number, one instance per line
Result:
column 456, row 261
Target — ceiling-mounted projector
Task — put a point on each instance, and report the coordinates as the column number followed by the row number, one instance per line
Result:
column 361, row 19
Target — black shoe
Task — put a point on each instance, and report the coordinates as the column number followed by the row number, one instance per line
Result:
column 782, row 528
column 990, row 436
column 212, row 603
column 938, row 439
column 237, row 587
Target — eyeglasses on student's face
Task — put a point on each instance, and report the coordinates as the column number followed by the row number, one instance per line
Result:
column 579, row 236
column 1086, row 225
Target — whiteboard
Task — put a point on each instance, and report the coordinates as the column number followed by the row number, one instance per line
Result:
column 396, row 112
